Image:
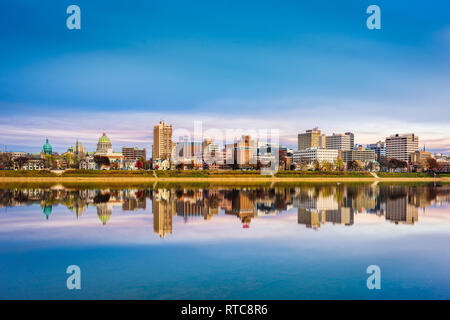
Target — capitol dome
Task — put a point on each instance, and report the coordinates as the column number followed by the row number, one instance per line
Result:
column 47, row 148
column 104, row 144
column 104, row 139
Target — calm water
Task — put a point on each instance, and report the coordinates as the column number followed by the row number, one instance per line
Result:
column 310, row 241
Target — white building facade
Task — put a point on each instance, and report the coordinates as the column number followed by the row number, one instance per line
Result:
column 312, row 154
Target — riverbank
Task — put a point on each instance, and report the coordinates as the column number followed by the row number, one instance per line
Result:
column 262, row 179
column 206, row 176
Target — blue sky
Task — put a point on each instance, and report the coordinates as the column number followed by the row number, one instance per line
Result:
column 289, row 65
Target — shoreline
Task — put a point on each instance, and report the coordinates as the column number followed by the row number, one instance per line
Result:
column 218, row 179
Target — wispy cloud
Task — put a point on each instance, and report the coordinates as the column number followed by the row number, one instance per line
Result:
column 289, row 116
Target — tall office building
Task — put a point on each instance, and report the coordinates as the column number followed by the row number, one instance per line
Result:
column 352, row 139
column 309, row 139
column 245, row 151
column 162, row 141
column 401, row 147
column 340, row 142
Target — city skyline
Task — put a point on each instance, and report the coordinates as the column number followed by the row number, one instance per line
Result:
column 219, row 152
column 290, row 67
column 91, row 144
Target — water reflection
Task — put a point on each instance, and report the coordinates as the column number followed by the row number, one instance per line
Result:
column 316, row 204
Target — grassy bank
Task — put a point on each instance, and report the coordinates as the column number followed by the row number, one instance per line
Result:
column 404, row 175
column 236, row 176
column 323, row 174
column 27, row 173
column 181, row 174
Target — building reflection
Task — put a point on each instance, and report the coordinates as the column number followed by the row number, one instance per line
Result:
column 163, row 211
column 316, row 207
column 316, row 204
column 402, row 205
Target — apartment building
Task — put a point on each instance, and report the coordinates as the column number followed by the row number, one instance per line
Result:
column 162, row 141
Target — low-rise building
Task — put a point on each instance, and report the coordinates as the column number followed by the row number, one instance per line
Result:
column 312, row 154
column 363, row 155
column 161, row 164
column 420, row 157
column 134, row 153
column 444, row 164
column 29, row 163
column 88, row 163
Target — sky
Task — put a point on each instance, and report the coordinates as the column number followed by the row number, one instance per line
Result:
column 286, row 65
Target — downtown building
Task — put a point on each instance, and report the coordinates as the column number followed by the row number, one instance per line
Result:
column 342, row 142
column 420, row 157
column 315, row 154
column 162, row 141
column 363, row 155
column 352, row 139
column 310, row 139
column 134, row 154
column 243, row 153
column 379, row 148
column 401, row 147
column 187, row 154
column 212, row 155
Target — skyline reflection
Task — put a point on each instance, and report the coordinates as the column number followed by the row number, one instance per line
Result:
column 316, row 205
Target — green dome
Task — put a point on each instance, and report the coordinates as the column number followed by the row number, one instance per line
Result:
column 47, row 148
column 47, row 210
column 104, row 138
column 104, row 216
